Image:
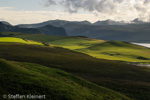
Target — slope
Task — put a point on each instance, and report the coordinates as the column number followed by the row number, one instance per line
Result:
column 117, row 50
column 18, row 40
column 112, row 50
column 69, row 42
column 27, row 78
column 100, row 71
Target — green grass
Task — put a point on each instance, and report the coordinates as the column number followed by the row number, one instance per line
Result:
column 116, row 50
column 132, row 81
column 114, row 75
column 74, row 43
column 111, row 50
column 27, row 78
column 66, row 42
column 40, row 38
column 18, row 40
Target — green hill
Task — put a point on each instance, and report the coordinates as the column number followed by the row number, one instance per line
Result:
column 111, row 50
column 69, row 42
column 27, row 78
column 132, row 81
column 117, row 50
column 18, row 40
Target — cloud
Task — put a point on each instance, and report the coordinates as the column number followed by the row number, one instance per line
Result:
column 27, row 17
column 50, row 2
column 118, row 8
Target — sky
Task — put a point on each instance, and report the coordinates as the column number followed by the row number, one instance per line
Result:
column 35, row 11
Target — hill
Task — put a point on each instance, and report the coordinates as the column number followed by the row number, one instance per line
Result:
column 114, row 75
column 18, row 40
column 49, row 83
column 117, row 50
column 112, row 50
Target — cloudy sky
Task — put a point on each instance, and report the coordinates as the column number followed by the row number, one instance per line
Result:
column 34, row 11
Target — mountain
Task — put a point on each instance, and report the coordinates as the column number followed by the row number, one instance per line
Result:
column 8, row 28
column 129, row 33
column 51, row 30
column 57, row 23
column 4, row 27
column 137, row 21
column 48, row 29
column 105, row 30
column 109, row 22
column 6, row 23
column 82, row 22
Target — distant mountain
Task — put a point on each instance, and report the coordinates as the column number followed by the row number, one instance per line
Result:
column 4, row 27
column 129, row 33
column 51, row 30
column 48, row 29
column 136, row 31
column 8, row 28
column 137, row 21
column 109, row 22
column 4, row 22
column 82, row 22
column 56, row 23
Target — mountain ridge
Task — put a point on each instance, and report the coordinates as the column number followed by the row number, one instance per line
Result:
column 128, row 32
column 48, row 29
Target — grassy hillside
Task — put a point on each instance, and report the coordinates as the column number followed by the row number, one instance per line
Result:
column 75, row 43
column 132, row 81
column 27, row 78
column 66, row 42
column 116, row 50
column 111, row 50
column 18, row 40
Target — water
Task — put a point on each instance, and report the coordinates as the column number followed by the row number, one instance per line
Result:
column 143, row 44
column 146, row 65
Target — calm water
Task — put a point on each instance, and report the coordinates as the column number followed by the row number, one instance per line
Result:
column 143, row 44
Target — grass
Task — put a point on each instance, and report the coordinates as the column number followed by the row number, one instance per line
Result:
column 18, row 40
column 114, row 75
column 132, row 81
column 74, row 43
column 66, row 42
column 28, row 78
column 117, row 50
column 111, row 50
